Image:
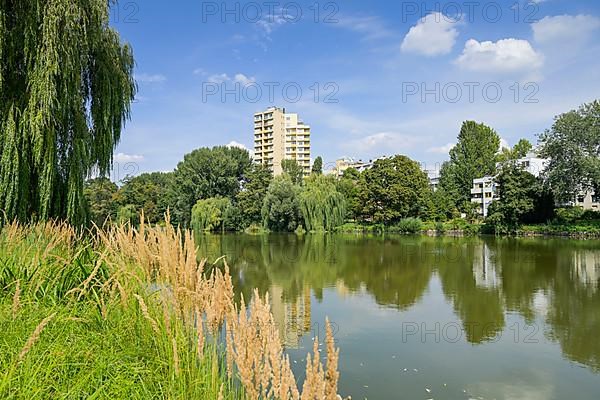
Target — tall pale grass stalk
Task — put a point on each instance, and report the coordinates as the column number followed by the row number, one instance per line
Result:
column 16, row 304
column 164, row 260
column 35, row 336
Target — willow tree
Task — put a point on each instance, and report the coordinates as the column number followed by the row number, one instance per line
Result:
column 321, row 205
column 66, row 86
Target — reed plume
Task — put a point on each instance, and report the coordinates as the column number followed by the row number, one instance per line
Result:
column 146, row 314
column 16, row 304
column 35, row 336
column 191, row 298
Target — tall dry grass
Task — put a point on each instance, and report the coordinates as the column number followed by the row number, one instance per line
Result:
column 166, row 257
column 186, row 305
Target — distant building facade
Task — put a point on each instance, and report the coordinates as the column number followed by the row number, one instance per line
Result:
column 485, row 189
column 281, row 136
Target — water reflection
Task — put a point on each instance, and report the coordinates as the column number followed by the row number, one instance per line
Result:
column 485, row 280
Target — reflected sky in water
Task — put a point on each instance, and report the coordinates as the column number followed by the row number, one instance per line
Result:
column 441, row 318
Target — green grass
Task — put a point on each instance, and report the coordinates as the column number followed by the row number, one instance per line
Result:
column 98, row 345
column 82, row 355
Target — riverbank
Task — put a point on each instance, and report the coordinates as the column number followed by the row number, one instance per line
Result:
column 579, row 230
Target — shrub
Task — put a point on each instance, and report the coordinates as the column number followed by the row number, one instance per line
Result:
column 569, row 214
column 590, row 215
column 440, row 227
column 409, row 225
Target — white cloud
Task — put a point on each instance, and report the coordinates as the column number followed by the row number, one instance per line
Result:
column 504, row 144
column 565, row 28
column 506, row 55
column 219, row 78
column 369, row 26
column 199, row 71
column 233, row 143
column 382, row 143
column 271, row 21
column 441, row 149
column 150, row 78
column 237, row 78
column 435, row 34
column 127, row 158
column 243, row 79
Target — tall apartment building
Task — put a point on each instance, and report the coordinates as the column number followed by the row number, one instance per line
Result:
column 281, row 136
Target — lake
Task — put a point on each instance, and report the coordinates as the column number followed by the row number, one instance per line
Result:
column 433, row 318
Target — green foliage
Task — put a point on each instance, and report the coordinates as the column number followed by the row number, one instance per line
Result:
column 66, row 85
column 206, row 173
column 443, row 207
column 349, row 186
column 151, row 192
column 251, row 197
column 519, row 150
column 568, row 215
column 100, row 196
column 317, row 167
column 573, row 146
column 321, row 205
column 440, row 227
column 409, row 225
column 394, row 188
column 212, row 214
column 518, row 190
column 280, row 209
column 128, row 214
column 474, row 156
column 292, row 169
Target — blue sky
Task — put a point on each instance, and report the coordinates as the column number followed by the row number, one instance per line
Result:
column 376, row 78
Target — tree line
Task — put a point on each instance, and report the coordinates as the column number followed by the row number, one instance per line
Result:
column 221, row 189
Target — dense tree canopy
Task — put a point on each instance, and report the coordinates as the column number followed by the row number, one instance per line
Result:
column 294, row 170
column 518, row 191
column 573, row 146
column 321, row 205
column 474, row 156
column 66, row 85
column 100, row 194
column 519, row 150
column 206, row 173
column 151, row 192
column 280, row 210
column 250, row 199
column 394, row 188
column 349, row 186
column 210, row 214
column 317, row 167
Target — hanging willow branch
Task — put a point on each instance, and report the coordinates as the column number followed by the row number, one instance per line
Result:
column 321, row 205
column 66, row 86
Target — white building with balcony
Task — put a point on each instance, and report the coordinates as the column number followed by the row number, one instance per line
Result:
column 485, row 190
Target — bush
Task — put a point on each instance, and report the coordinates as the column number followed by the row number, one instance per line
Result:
column 440, row 227
column 590, row 215
column 569, row 214
column 409, row 225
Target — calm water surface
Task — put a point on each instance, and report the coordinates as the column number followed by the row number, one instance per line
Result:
column 433, row 318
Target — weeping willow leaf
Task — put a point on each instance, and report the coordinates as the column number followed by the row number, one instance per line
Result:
column 321, row 205
column 66, row 86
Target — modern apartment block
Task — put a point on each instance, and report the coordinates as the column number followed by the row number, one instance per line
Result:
column 281, row 136
column 483, row 192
